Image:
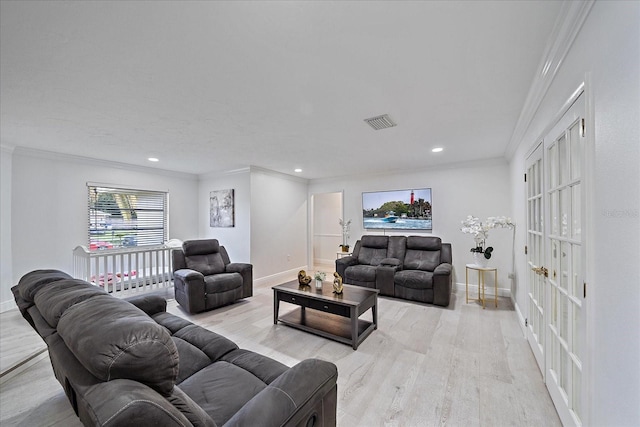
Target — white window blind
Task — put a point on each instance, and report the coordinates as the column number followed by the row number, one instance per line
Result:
column 120, row 217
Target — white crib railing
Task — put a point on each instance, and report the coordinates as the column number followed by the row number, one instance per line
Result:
column 124, row 271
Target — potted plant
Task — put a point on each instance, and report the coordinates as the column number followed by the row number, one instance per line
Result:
column 319, row 276
column 345, row 234
column 480, row 231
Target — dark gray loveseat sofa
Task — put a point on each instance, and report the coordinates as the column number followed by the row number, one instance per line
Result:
column 415, row 268
column 130, row 363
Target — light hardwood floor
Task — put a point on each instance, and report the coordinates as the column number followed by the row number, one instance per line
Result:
column 424, row 366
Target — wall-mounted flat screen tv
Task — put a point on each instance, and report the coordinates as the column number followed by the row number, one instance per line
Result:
column 397, row 210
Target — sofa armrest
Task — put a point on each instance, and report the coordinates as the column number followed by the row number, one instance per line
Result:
column 343, row 263
column 246, row 271
column 189, row 289
column 307, row 391
column 150, row 304
column 443, row 269
column 391, row 262
column 123, row 402
column 442, row 279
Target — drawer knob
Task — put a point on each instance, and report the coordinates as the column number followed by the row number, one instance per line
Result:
column 293, row 299
column 326, row 307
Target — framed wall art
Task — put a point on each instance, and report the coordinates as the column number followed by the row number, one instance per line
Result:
column 222, row 208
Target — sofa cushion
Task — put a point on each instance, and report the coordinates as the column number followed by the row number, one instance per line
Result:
column 222, row 282
column 31, row 282
column 424, row 243
column 114, row 339
column 414, row 279
column 373, row 249
column 213, row 345
column 203, row 256
column 222, row 389
column 192, row 359
column 360, row 273
column 55, row 298
column 261, row 366
column 421, row 260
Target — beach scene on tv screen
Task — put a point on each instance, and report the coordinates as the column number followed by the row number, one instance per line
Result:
column 397, row 210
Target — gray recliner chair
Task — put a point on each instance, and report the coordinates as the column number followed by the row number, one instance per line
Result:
column 204, row 278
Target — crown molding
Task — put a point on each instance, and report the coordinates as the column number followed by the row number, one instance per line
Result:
column 258, row 169
column 566, row 28
column 7, row 148
column 50, row 155
column 492, row 161
column 218, row 174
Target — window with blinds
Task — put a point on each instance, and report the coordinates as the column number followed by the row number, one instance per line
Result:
column 120, row 217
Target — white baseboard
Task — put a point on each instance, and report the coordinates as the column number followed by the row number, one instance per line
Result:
column 521, row 319
column 473, row 290
column 322, row 261
column 278, row 278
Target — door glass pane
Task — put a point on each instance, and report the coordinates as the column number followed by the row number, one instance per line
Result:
column 555, row 261
column 553, row 201
column 552, row 165
column 563, row 172
column 564, row 368
column 577, row 345
column 576, row 222
column 565, row 210
column 564, row 316
column 574, row 137
column 576, row 268
column 577, row 384
column 564, row 264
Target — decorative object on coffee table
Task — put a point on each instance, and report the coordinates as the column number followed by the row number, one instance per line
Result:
column 303, row 279
column 319, row 276
column 337, row 283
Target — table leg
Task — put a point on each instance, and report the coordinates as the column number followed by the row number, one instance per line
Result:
column 495, row 287
column 276, row 307
column 481, row 284
column 466, row 270
column 374, row 312
column 354, row 328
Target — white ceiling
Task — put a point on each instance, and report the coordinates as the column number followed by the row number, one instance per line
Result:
column 216, row 86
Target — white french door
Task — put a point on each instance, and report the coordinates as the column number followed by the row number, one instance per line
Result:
column 535, row 255
column 556, row 323
column 565, row 260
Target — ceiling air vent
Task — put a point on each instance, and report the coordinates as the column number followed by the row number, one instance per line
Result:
column 381, row 122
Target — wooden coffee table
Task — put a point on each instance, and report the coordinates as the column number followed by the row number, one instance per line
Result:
column 327, row 314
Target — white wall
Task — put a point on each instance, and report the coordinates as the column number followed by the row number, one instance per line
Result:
column 279, row 238
column 607, row 49
column 480, row 188
column 6, row 263
column 49, row 206
column 237, row 239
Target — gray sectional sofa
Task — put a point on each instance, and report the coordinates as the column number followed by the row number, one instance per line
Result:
column 415, row 268
column 130, row 363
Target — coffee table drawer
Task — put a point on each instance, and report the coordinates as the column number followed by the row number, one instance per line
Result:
column 340, row 310
column 294, row 299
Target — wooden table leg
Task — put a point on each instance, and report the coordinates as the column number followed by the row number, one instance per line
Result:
column 354, row 328
column 276, row 307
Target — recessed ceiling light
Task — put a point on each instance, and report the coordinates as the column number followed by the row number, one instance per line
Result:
column 153, row 159
column 298, row 170
column 437, row 149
